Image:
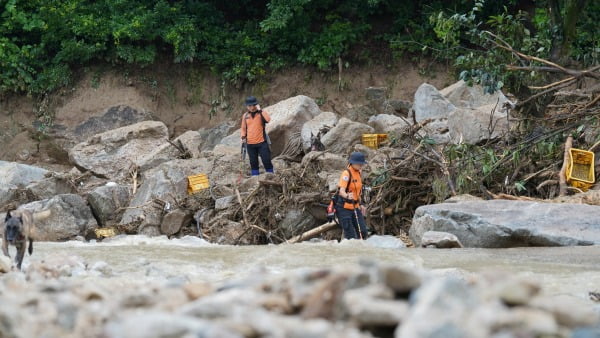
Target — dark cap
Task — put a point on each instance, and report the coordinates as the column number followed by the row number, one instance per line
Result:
column 357, row 158
column 251, row 101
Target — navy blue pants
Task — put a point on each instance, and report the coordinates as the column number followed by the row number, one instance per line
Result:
column 350, row 224
column 262, row 149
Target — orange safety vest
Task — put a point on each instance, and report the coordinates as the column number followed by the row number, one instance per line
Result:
column 253, row 128
column 351, row 178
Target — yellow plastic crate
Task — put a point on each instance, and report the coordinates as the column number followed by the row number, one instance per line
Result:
column 373, row 140
column 197, row 183
column 105, row 232
column 580, row 169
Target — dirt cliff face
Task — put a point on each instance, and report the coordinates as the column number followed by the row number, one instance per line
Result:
column 188, row 98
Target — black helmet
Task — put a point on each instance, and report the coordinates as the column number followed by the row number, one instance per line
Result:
column 251, row 101
column 357, row 158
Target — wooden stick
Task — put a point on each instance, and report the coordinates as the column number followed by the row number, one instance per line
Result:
column 554, row 83
column 313, row 232
column 562, row 175
column 239, row 197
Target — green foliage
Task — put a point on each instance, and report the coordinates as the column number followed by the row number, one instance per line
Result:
column 43, row 41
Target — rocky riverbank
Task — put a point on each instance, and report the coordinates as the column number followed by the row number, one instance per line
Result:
column 140, row 287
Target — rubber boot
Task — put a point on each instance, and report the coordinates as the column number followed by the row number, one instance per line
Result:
column 269, row 170
column 254, row 172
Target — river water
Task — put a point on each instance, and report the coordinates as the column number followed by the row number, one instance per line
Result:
column 560, row 270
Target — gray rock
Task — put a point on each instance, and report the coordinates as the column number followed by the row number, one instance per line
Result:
column 311, row 128
column 431, row 104
column 535, row 322
column 165, row 181
column 385, row 241
column 344, row 135
column 399, row 279
column 326, row 161
column 69, row 217
column 111, row 154
column 174, row 221
column 50, row 186
column 296, row 222
column 360, row 114
column 191, row 142
column 372, row 310
column 113, row 118
column 462, row 95
column 439, row 308
column 14, row 176
column 226, row 202
column 503, row 223
column 385, row 123
column 397, row 107
column 210, row 137
column 568, row 311
column 164, row 324
column 287, row 118
column 376, row 96
column 108, row 202
column 440, row 240
column 515, row 291
column 473, row 125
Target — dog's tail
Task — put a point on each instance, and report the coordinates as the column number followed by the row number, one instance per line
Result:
column 42, row 215
column 30, row 246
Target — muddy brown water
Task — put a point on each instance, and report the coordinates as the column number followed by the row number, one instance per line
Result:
column 560, row 270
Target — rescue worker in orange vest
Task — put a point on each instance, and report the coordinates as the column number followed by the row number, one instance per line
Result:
column 350, row 212
column 254, row 136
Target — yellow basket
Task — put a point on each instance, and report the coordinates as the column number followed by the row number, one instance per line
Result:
column 580, row 169
column 197, row 183
column 373, row 140
column 105, row 232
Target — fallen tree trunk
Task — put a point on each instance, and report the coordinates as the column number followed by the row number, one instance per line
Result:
column 313, row 232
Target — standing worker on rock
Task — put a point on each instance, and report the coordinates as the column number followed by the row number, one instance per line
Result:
column 349, row 210
column 254, row 135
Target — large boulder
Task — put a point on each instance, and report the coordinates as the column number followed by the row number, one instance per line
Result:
column 15, row 176
column 503, row 223
column 69, row 217
column 66, row 136
column 311, row 128
column 112, row 154
column 49, row 187
column 465, row 96
column 345, row 135
column 444, row 305
column 108, row 203
column 210, row 137
column 471, row 126
column 385, row 123
column 167, row 181
column 295, row 222
column 287, row 118
column 430, row 104
column 227, row 163
column 190, row 142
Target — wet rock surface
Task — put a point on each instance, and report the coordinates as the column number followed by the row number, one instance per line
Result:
column 63, row 295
